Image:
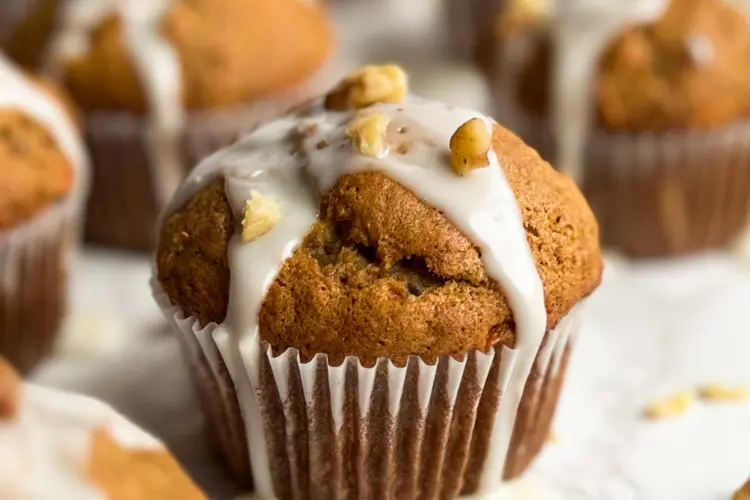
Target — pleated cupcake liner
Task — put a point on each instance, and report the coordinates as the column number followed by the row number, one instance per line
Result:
column 311, row 430
column 658, row 194
column 129, row 192
column 34, row 260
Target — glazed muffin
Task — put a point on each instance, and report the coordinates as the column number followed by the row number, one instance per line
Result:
column 43, row 184
column 355, row 283
column 648, row 114
column 60, row 445
column 163, row 84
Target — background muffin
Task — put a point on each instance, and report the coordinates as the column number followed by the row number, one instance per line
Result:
column 664, row 169
column 382, row 288
column 163, row 84
column 42, row 189
column 66, row 444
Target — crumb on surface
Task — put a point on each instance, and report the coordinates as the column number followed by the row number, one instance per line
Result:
column 670, row 406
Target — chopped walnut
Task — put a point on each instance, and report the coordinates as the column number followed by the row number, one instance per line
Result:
column 470, row 146
column 718, row 392
column 261, row 215
column 368, row 133
column 670, row 406
column 367, row 86
column 10, row 385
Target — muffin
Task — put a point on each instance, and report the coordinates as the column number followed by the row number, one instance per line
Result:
column 356, row 284
column 60, row 445
column 646, row 106
column 43, row 184
column 163, row 84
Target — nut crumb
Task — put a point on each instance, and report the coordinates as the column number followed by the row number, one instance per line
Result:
column 470, row 145
column 743, row 493
column 307, row 128
column 719, row 392
column 322, row 144
column 670, row 406
column 10, row 386
column 403, row 148
column 368, row 133
column 261, row 215
column 367, row 86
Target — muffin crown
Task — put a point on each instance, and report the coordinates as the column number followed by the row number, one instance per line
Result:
column 59, row 445
column 390, row 231
column 42, row 155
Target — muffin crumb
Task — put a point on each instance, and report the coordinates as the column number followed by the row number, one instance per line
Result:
column 470, row 145
column 367, row 86
column 10, row 386
column 368, row 134
column 261, row 215
column 743, row 493
column 721, row 392
column 670, row 406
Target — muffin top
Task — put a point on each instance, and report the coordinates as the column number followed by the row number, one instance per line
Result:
column 59, row 445
column 41, row 157
column 687, row 68
column 372, row 224
column 205, row 53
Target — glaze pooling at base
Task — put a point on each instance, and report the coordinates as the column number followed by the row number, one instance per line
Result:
column 295, row 173
column 157, row 66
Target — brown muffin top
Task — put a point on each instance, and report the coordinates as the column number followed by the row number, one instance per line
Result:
column 381, row 272
column 34, row 171
column 230, row 52
column 689, row 68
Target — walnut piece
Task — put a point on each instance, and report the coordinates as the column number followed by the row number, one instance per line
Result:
column 10, row 387
column 719, row 392
column 470, row 145
column 367, row 86
column 261, row 215
column 368, row 133
column 670, row 406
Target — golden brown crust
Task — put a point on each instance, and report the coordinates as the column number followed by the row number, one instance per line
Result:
column 383, row 274
column 34, row 173
column 125, row 474
column 231, row 52
column 10, row 388
column 687, row 69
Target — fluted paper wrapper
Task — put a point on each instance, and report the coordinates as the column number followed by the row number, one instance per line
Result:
column 660, row 194
column 129, row 192
column 320, row 431
column 33, row 283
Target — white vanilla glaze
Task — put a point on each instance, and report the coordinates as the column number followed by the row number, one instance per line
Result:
column 481, row 205
column 157, row 65
column 45, row 447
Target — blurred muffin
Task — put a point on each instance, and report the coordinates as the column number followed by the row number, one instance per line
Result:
column 59, row 445
column 43, row 183
column 358, row 281
column 164, row 83
column 650, row 118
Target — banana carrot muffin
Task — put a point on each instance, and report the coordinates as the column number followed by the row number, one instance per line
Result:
column 163, row 83
column 43, row 184
column 60, row 445
column 645, row 104
column 357, row 283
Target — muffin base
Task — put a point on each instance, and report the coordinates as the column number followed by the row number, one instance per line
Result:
column 33, row 284
column 657, row 195
column 418, row 431
column 125, row 204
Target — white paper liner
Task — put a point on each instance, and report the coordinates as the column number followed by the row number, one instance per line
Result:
column 324, row 431
column 34, row 260
column 657, row 194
